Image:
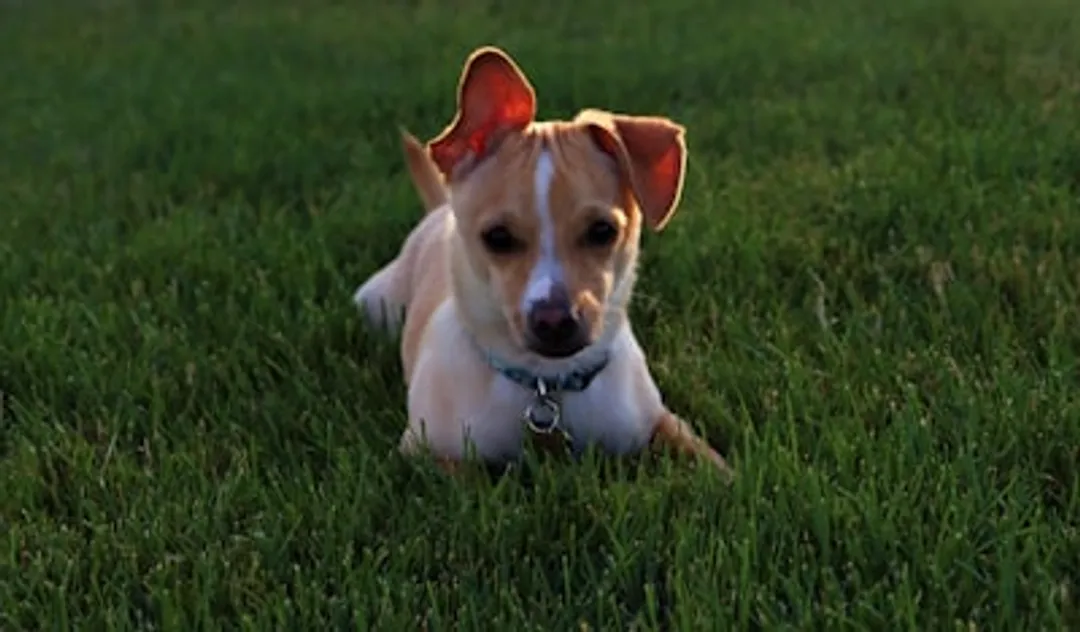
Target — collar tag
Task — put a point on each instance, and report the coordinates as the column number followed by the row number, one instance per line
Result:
column 543, row 414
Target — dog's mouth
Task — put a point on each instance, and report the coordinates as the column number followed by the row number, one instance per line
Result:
column 556, row 350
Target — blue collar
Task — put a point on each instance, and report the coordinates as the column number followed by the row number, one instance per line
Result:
column 575, row 381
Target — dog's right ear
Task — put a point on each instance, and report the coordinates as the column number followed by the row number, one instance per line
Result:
column 494, row 97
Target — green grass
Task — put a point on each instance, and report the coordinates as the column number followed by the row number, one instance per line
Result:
column 869, row 299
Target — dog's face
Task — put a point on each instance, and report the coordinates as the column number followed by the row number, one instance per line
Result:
column 550, row 236
column 549, row 214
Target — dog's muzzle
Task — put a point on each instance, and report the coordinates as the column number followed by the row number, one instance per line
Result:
column 554, row 328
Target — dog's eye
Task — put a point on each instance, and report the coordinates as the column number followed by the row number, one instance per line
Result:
column 601, row 233
column 499, row 240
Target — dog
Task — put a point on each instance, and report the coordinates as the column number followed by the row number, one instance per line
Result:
column 511, row 294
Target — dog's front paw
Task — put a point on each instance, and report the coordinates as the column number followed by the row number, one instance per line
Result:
column 378, row 311
column 674, row 432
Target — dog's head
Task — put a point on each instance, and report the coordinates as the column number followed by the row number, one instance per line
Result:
column 549, row 215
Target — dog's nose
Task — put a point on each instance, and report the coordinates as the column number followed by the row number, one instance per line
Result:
column 555, row 328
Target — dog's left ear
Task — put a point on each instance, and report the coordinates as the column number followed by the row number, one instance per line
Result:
column 651, row 154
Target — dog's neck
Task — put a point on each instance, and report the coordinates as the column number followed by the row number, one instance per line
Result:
column 572, row 373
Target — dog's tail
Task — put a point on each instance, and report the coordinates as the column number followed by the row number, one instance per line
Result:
column 425, row 175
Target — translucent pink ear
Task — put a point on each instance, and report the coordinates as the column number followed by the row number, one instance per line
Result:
column 493, row 97
column 651, row 153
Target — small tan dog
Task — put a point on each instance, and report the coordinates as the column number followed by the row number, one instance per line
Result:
column 513, row 289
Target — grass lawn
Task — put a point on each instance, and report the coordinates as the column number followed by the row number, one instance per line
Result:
column 869, row 299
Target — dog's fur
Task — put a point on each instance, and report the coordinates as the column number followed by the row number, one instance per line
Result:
column 459, row 303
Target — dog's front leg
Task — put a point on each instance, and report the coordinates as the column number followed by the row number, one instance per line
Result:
column 415, row 442
column 671, row 431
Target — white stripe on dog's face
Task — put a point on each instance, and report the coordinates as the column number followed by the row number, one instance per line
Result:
column 548, row 270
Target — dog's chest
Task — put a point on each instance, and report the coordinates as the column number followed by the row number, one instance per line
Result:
column 605, row 415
